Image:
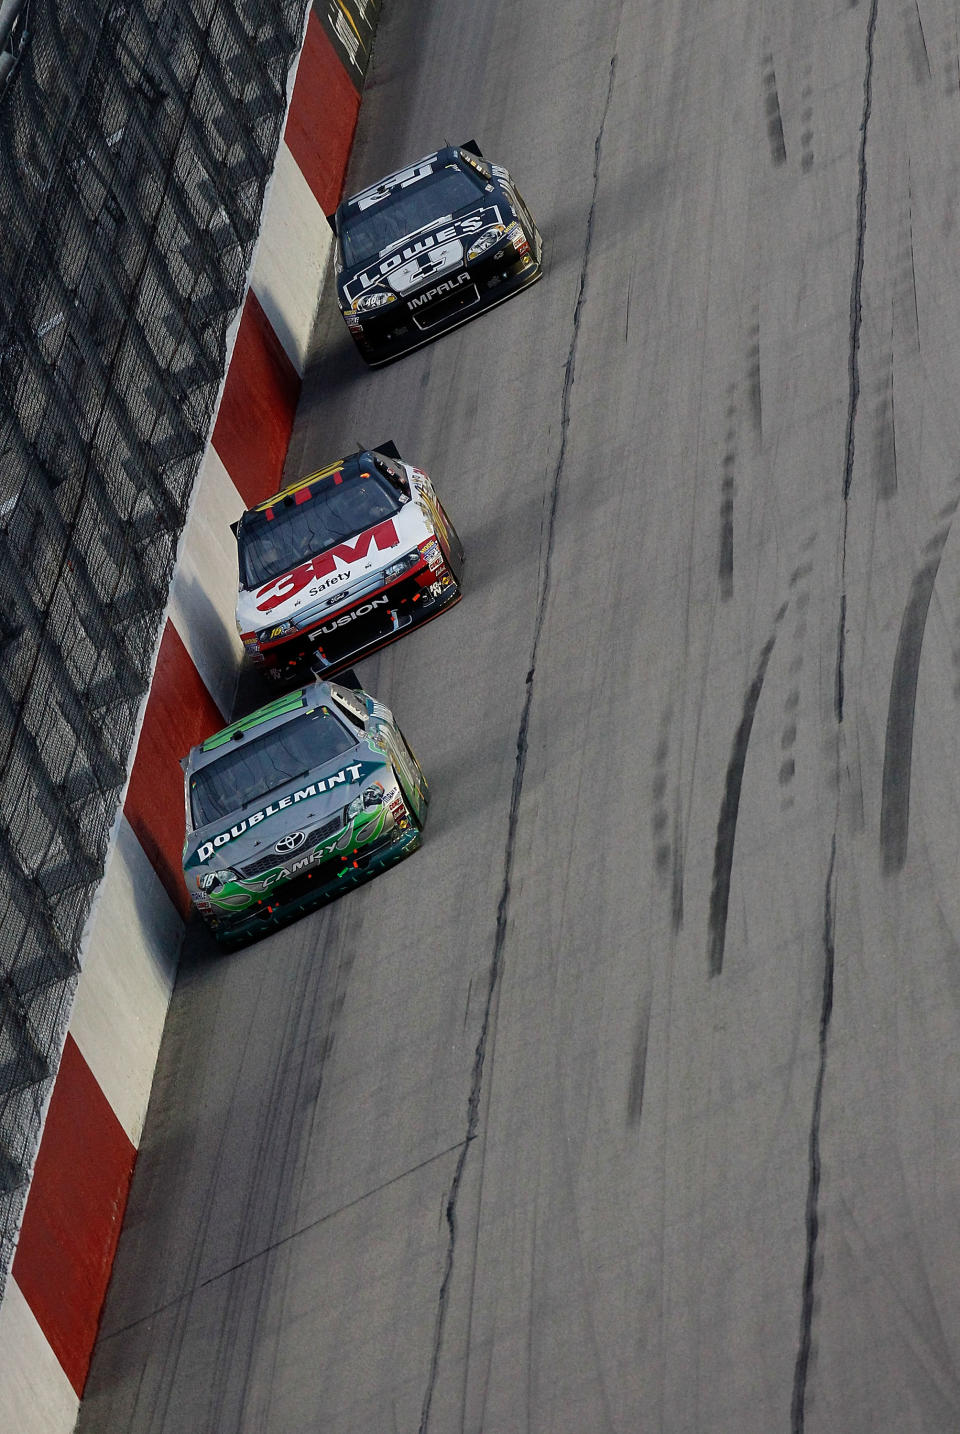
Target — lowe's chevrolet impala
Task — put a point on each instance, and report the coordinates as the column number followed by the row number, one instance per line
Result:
column 294, row 805
column 343, row 562
column 428, row 248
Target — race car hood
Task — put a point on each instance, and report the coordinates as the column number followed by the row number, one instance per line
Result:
column 334, row 577
column 299, row 807
column 426, row 256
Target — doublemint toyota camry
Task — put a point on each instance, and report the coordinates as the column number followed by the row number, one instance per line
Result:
column 426, row 248
column 296, row 804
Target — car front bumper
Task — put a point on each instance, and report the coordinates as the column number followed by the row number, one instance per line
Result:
column 399, row 329
column 305, row 893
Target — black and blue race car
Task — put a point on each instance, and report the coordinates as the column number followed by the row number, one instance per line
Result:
column 428, row 247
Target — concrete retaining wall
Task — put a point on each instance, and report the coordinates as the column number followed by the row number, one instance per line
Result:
column 51, row 1308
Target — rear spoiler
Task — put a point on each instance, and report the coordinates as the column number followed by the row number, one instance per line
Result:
column 471, row 146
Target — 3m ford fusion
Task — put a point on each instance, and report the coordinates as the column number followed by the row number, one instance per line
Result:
column 343, row 562
column 429, row 247
column 296, row 804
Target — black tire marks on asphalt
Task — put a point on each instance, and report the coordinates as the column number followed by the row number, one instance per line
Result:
column 885, row 437
column 729, row 810
column 753, row 373
column 951, row 66
column 906, row 312
column 638, row 1065
column 667, row 834
column 898, row 749
column 812, row 1216
column 488, row 1022
column 800, row 599
column 806, row 119
column 771, row 105
column 725, row 566
column 856, row 322
column 916, row 42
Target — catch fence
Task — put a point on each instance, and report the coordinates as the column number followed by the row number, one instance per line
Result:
column 136, row 141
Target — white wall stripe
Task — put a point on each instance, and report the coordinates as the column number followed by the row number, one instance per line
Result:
column 125, row 984
column 35, row 1394
column 291, row 259
column 203, row 598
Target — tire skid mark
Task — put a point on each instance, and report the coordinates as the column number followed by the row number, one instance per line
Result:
column 951, row 66
column 906, row 310
column 725, row 567
column 885, row 436
column 806, row 119
column 676, row 885
column 856, row 321
column 771, row 104
column 667, row 834
column 638, row 1065
column 800, row 589
column 812, row 1210
column 917, row 43
column 753, row 372
column 898, row 750
column 812, row 1216
column 727, row 824
column 488, row 1024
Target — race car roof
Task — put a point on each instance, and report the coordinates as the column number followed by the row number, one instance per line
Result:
column 387, row 450
column 468, row 153
column 282, row 709
column 410, row 172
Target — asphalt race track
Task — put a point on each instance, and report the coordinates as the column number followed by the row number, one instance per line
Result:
column 632, row 1101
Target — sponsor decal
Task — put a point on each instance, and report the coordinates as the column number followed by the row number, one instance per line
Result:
column 348, row 617
column 456, row 229
column 446, row 287
column 207, row 848
column 242, row 893
column 279, row 590
column 403, row 178
column 350, row 25
column 290, row 842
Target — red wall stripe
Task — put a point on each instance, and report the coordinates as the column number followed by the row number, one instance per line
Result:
column 322, row 118
column 180, row 712
column 72, row 1219
column 255, row 420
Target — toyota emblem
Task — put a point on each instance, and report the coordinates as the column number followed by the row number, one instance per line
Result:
column 290, row 842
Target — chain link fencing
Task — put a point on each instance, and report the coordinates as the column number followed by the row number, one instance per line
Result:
column 136, row 141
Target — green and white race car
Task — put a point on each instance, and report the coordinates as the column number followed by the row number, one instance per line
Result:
column 295, row 804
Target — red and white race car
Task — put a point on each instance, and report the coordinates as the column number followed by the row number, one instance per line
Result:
column 342, row 562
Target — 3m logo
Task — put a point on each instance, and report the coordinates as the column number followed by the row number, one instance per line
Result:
column 279, row 590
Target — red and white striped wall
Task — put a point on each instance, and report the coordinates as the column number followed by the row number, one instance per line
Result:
column 51, row 1308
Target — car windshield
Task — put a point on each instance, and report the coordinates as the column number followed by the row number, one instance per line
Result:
column 365, row 234
column 242, row 775
column 302, row 524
